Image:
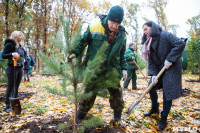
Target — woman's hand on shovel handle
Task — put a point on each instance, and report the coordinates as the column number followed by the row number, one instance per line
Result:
column 15, row 54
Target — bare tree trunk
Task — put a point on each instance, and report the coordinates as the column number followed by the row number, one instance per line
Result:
column 45, row 27
column 6, row 16
column 20, row 11
column 75, row 101
column 75, row 129
column 37, row 38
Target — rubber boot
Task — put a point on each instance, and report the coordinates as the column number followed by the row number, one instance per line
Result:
column 163, row 122
column 8, row 109
column 154, row 110
column 117, row 119
column 80, row 116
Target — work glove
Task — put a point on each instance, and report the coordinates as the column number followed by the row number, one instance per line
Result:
column 15, row 54
column 124, row 73
column 154, row 80
column 69, row 58
column 167, row 64
column 133, row 58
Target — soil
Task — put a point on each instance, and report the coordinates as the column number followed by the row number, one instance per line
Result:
column 50, row 124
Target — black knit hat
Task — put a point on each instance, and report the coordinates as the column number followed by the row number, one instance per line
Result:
column 116, row 14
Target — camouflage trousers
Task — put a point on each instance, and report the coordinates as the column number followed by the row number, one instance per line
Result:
column 131, row 76
column 116, row 100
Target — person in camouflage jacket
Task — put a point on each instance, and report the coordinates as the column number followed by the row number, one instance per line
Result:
column 131, row 69
column 110, row 30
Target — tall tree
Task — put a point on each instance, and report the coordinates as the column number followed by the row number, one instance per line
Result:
column 131, row 21
column 4, row 27
column 20, row 10
column 14, row 16
column 36, row 28
column 47, row 7
column 6, row 14
column 81, row 11
column 174, row 27
column 194, row 24
column 103, row 7
column 194, row 42
column 159, row 6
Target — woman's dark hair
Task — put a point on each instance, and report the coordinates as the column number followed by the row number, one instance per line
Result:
column 155, row 30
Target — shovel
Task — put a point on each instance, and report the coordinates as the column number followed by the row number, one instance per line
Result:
column 15, row 103
column 133, row 105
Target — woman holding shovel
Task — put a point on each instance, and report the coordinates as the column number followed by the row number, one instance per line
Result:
column 162, row 49
column 12, row 50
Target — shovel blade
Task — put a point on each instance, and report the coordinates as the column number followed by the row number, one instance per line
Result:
column 16, row 106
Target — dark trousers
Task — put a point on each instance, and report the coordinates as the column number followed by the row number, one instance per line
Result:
column 154, row 98
column 10, row 84
column 26, row 74
column 131, row 76
column 116, row 100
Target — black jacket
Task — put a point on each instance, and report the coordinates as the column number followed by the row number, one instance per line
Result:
column 9, row 49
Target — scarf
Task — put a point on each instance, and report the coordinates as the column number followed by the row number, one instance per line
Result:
column 146, row 49
column 112, row 35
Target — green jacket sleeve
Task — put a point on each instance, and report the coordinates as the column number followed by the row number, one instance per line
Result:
column 81, row 45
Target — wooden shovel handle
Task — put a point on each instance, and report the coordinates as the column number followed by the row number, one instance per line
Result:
column 15, row 60
column 133, row 105
column 140, row 70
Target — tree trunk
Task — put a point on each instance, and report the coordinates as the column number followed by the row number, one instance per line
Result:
column 199, row 71
column 20, row 11
column 45, row 27
column 75, row 116
column 75, row 101
column 6, row 16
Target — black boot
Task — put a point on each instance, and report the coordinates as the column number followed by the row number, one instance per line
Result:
column 163, row 122
column 154, row 110
column 134, row 88
column 80, row 115
column 117, row 119
column 8, row 109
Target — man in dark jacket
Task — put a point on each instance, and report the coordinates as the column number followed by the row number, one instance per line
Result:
column 110, row 30
column 131, row 69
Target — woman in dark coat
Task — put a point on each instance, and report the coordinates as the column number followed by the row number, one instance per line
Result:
column 13, row 48
column 162, row 48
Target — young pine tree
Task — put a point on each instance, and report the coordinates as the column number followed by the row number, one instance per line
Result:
column 76, row 73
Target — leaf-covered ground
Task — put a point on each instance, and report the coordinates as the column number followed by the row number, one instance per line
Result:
column 45, row 112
